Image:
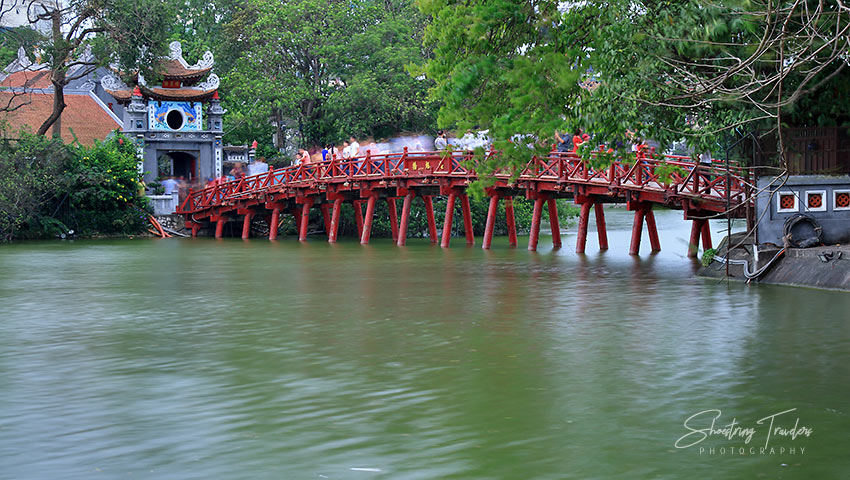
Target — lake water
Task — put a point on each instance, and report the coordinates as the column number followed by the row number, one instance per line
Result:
column 233, row 359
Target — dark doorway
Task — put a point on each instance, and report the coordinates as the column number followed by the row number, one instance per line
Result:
column 183, row 164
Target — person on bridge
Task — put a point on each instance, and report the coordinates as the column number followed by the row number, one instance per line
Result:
column 440, row 143
column 562, row 145
column 354, row 146
column 578, row 139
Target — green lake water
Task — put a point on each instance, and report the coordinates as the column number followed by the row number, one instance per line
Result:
column 231, row 359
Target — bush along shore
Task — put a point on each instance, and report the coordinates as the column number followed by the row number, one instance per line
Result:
column 49, row 189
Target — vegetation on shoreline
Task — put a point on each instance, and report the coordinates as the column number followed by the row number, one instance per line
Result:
column 48, row 188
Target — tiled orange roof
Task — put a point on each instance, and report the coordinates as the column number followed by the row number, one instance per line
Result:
column 82, row 115
column 175, row 69
column 28, row 79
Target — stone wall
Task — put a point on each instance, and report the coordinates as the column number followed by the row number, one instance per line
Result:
column 822, row 197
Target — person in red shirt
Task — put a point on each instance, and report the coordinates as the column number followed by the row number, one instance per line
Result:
column 579, row 138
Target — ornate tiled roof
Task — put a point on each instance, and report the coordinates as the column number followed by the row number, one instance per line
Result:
column 180, row 80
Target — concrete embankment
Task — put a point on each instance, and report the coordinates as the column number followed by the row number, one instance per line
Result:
column 826, row 267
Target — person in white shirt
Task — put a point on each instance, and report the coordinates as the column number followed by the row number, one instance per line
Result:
column 354, row 146
column 346, row 150
column 440, row 142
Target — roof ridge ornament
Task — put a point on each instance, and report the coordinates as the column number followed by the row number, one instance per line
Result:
column 112, row 82
column 211, row 83
column 176, row 53
column 23, row 59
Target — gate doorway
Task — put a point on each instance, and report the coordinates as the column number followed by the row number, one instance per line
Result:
column 179, row 164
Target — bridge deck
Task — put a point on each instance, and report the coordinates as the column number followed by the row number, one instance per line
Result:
column 700, row 191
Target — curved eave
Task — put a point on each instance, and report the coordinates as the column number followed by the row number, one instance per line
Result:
column 178, row 94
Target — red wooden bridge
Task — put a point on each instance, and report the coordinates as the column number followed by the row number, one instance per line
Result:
column 699, row 190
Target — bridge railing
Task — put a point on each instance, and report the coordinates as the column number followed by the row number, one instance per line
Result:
column 638, row 172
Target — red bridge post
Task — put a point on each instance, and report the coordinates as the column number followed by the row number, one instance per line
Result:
column 581, row 240
column 274, row 223
column 305, row 219
column 491, row 220
column 447, row 222
column 219, row 226
column 367, row 222
column 391, row 205
column 429, row 213
column 637, row 230
column 706, row 235
column 553, row 222
column 335, row 220
column 467, row 219
column 650, row 227
column 699, row 227
column 358, row 216
column 511, row 221
column 246, row 225
column 326, row 215
column 535, row 222
column 405, row 218
column 601, row 229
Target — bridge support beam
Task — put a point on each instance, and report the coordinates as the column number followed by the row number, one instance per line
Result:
column 274, row 223
column 650, row 227
column 392, row 207
column 706, row 235
column 219, row 227
column 304, row 222
column 246, row 225
column 491, row 221
column 326, row 215
column 405, row 219
column 581, row 240
column 535, row 223
column 553, row 222
column 447, row 222
column 332, row 233
column 429, row 213
column 467, row 219
column 643, row 210
column 358, row 216
column 699, row 227
column 511, row 221
column 601, row 229
column 367, row 221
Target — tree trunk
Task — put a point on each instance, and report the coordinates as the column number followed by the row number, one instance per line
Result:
column 57, row 78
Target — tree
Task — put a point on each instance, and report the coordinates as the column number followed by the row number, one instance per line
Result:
column 673, row 70
column 85, row 34
column 328, row 68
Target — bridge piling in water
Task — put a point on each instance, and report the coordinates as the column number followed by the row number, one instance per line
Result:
column 511, row 221
column 467, row 219
column 429, row 214
column 553, row 223
column 367, row 221
column 491, row 220
column 405, row 218
column 447, row 222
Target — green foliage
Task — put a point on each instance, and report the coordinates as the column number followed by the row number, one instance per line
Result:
column 325, row 69
column 48, row 188
column 104, row 196
column 30, row 177
column 708, row 257
column 668, row 70
column 12, row 39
